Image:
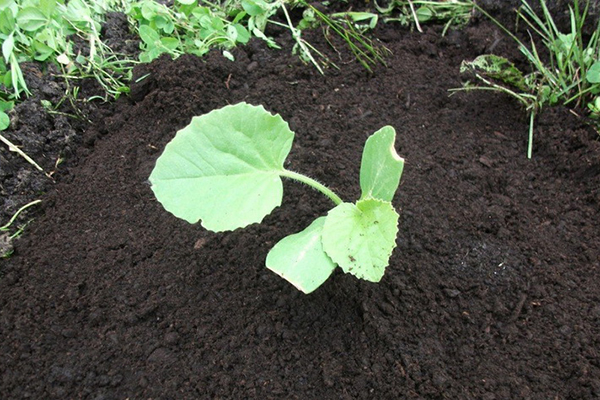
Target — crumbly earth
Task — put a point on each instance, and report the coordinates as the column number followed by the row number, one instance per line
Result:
column 48, row 126
column 492, row 293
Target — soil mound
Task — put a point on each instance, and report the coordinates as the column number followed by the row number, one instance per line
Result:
column 492, row 292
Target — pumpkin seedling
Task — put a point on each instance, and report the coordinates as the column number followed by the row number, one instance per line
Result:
column 225, row 168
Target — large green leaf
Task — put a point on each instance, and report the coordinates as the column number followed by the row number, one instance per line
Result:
column 300, row 258
column 223, row 168
column 360, row 238
column 381, row 166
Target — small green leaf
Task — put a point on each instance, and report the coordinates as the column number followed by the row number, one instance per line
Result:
column 594, row 107
column 232, row 33
column 31, row 19
column 217, row 24
column 7, row 79
column 252, row 7
column 270, row 42
column 243, row 36
column 224, row 168
column 5, row 4
column 160, row 22
column 186, row 2
column 564, row 43
column 169, row 28
column 42, row 51
column 169, row 43
column 149, row 35
column 4, row 121
column 150, row 9
column 593, row 74
column 7, row 21
column 381, row 166
column 8, row 46
column 6, row 105
column 199, row 12
column 148, row 56
column 360, row 238
column 424, row 14
column 48, row 7
column 300, row 258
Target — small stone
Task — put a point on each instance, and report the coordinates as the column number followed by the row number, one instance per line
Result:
column 68, row 333
column 103, row 380
column 94, row 318
column 6, row 246
column 116, row 380
column 200, row 243
column 486, row 161
column 252, row 66
column 451, row 292
column 10, row 278
column 325, row 143
column 112, row 336
column 261, row 330
column 565, row 330
column 172, row 338
column 161, row 356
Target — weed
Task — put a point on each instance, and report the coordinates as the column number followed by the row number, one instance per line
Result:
column 453, row 12
column 43, row 31
column 191, row 27
column 7, row 226
column 6, row 247
column 570, row 76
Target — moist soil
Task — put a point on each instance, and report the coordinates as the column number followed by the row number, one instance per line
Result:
column 493, row 291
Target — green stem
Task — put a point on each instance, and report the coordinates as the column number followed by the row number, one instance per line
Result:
column 15, row 215
column 314, row 184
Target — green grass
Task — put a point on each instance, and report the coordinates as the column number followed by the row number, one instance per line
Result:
column 568, row 75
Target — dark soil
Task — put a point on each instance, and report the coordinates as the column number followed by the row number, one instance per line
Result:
column 50, row 136
column 492, row 293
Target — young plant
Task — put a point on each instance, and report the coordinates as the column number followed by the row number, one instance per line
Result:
column 225, row 170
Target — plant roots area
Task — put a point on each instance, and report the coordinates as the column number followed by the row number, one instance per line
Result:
column 493, row 290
